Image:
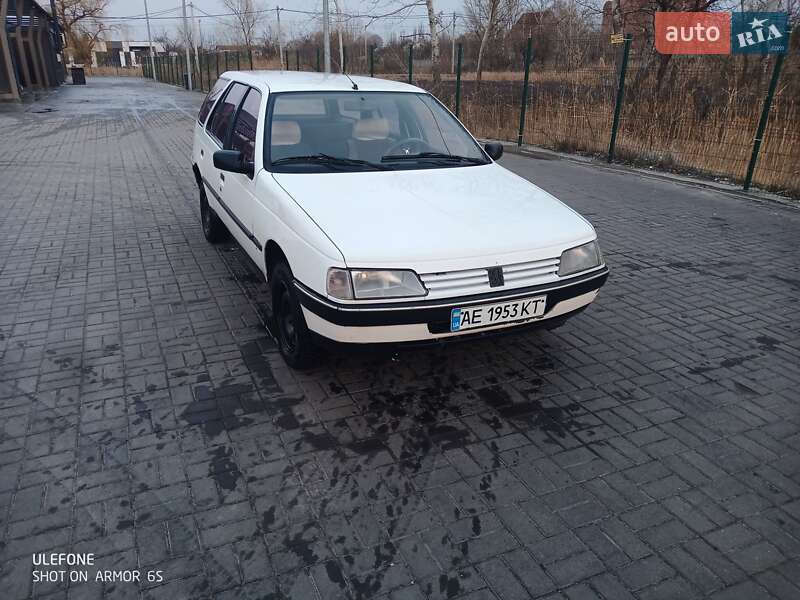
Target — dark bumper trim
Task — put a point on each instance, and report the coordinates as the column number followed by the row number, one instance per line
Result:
column 436, row 313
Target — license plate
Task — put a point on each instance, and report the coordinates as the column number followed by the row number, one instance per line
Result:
column 492, row 314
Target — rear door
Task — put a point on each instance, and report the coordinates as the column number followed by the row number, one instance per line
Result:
column 239, row 190
column 204, row 146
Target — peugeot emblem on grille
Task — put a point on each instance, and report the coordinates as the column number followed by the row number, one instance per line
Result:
column 495, row 276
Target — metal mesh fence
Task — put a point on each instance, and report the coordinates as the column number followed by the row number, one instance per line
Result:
column 695, row 114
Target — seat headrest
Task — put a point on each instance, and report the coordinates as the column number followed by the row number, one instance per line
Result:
column 366, row 130
column 285, row 133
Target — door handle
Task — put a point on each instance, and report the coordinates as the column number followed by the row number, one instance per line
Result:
column 222, row 176
column 202, row 153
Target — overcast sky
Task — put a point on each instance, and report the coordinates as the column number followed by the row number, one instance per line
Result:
column 292, row 23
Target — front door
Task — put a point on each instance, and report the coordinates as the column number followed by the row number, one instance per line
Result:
column 239, row 189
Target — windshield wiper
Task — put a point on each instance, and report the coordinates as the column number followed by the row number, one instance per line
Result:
column 327, row 159
column 435, row 156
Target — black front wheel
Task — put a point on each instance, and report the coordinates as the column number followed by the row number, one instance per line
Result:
column 294, row 339
column 213, row 229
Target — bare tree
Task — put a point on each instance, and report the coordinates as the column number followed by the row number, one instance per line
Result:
column 247, row 14
column 168, row 41
column 433, row 23
column 339, row 34
column 483, row 16
column 390, row 8
column 82, row 27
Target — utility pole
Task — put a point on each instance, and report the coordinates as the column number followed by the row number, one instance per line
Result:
column 453, row 56
column 280, row 37
column 194, row 38
column 326, row 34
column 186, row 43
column 150, row 42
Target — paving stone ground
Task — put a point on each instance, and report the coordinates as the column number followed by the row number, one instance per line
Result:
column 648, row 449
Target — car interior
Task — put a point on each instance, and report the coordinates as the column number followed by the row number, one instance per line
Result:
column 363, row 139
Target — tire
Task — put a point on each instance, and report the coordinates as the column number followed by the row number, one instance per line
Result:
column 213, row 229
column 295, row 341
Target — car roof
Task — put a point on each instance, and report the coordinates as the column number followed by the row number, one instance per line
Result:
column 304, row 81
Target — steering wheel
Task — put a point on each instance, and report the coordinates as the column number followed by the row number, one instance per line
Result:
column 409, row 146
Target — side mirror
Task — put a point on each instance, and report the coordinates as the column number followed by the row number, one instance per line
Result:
column 233, row 161
column 494, row 150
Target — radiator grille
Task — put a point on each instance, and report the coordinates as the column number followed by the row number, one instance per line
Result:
column 476, row 281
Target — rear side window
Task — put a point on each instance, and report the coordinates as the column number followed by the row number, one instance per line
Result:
column 224, row 111
column 243, row 137
column 212, row 96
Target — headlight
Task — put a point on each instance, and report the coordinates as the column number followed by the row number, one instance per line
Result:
column 386, row 284
column 348, row 284
column 580, row 259
column 338, row 284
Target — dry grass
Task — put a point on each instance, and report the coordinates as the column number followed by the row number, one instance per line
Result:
column 692, row 123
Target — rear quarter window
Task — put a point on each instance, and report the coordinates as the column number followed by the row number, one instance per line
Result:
column 211, row 97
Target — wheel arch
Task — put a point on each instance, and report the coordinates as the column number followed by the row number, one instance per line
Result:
column 273, row 254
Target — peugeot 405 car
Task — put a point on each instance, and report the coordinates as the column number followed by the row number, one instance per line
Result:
column 376, row 217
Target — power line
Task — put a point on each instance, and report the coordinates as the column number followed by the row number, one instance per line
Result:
column 349, row 16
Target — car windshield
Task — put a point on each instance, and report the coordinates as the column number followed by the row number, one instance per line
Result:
column 322, row 132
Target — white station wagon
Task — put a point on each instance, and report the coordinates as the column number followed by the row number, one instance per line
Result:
column 376, row 217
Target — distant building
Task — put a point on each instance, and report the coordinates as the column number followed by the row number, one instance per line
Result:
column 30, row 49
column 124, row 53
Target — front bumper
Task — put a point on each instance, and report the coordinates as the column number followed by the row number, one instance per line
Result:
column 430, row 319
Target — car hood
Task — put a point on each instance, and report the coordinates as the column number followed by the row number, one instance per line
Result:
column 436, row 219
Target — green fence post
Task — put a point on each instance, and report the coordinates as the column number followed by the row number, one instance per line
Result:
column 372, row 61
column 526, row 79
column 410, row 62
column 458, row 79
column 216, row 59
column 296, row 59
column 238, row 61
column 318, row 67
column 620, row 92
column 762, row 122
column 344, row 59
column 226, row 60
column 250, row 57
column 208, row 71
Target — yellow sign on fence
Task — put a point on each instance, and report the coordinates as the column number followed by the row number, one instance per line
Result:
column 617, row 38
